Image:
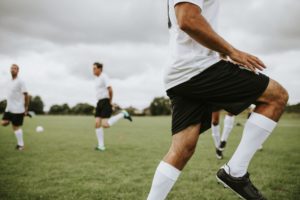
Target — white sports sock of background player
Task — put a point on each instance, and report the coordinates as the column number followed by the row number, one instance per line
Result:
column 215, row 133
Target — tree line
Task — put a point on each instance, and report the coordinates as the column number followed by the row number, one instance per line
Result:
column 158, row 106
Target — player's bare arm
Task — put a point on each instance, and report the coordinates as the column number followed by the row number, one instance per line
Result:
column 195, row 25
column 110, row 93
column 27, row 100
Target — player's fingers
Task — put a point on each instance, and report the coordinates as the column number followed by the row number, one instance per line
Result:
column 255, row 64
column 261, row 63
column 249, row 66
column 258, row 62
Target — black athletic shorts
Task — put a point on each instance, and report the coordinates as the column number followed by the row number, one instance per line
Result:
column 103, row 109
column 224, row 85
column 15, row 119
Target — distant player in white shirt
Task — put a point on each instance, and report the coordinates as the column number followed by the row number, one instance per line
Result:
column 17, row 105
column 197, row 80
column 104, row 108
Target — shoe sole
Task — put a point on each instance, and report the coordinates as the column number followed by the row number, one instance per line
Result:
column 221, row 149
column 226, row 186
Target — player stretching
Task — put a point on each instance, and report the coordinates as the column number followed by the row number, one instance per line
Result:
column 197, row 80
column 104, row 94
column 17, row 105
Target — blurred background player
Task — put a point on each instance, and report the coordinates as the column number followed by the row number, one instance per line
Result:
column 17, row 105
column 220, row 141
column 104, row 108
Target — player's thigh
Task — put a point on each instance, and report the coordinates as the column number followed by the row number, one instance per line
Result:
column 273, row 93
column 186, row 140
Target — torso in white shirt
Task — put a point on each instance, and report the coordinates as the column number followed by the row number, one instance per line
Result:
column 102, row 82
column 15, row 97
column 187, row 58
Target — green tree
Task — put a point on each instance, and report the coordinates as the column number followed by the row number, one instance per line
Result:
column 2, row 106
column 36, row 105
column 63, row 109
column 83, row 109
column 293, row 108
column 160, row 106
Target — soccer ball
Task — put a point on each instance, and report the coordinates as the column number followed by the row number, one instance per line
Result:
column 39, row 129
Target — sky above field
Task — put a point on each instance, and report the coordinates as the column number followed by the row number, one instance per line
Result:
column 56, row 42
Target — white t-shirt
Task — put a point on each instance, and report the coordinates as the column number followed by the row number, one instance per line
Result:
column 15, row 96
column 187, row 58
column 102, row 83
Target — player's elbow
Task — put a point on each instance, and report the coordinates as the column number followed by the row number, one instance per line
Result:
column 185, row 23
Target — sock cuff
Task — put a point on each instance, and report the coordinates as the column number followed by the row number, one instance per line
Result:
column 99, row 129
column 19, row 131
column 262, row 121
column 229, row 118
column 168, row 170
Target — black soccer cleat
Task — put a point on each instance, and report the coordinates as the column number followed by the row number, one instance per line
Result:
column 242, row 186
column 219, row 154
column 19, row 148
column 222, row 145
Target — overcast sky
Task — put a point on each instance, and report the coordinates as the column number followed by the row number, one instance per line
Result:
column 56, row 42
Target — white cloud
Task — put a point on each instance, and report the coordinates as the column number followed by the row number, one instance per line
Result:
column 55, row 45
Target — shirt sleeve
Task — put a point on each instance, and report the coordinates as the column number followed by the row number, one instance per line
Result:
column 196, row 2
column 106, row 81
column 23, row 87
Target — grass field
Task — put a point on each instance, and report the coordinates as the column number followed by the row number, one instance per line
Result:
column 61, row 162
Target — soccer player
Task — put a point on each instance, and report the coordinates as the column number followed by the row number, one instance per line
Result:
column 197, row 80
column 104, row 94
column 220, row 143
column 17, row 105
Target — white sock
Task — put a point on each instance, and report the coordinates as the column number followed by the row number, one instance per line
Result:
column 228, row 125
column 215, row 133
column 19, row 136
column 114, row 119
column 256, row 131
column 163, row 181
column 100, row 137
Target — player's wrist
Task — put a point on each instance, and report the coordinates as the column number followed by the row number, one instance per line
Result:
column 232, row 51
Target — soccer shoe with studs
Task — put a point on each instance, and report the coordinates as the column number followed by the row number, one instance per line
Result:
column 242, row 186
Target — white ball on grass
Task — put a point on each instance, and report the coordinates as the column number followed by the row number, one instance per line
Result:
column 39, row 129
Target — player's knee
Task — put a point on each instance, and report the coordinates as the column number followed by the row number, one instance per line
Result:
column 105, row 125
column 4, row 123
column 215, row 122
column 282, row 97
column 285, row 96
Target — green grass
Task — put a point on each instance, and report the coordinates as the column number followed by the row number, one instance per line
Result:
column 61, row 162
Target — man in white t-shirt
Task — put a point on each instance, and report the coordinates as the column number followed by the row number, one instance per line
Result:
column 197, row 80
column 17, row 105
column 104, row 108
